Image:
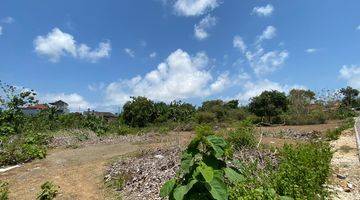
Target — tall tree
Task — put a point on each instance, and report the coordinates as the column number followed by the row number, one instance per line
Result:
column 350, row 94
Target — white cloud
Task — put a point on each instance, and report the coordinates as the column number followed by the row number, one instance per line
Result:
column 351, row 74
column 221, row 83
column 180, row 76
column 76, row 102
column 8, row 20
column 358, row 28
column 264, row 63
column 201, row 29
column 103, row 51
column 194, row 7
column 153, row 55
column 311, row 50
column 252, row 89
column 263, row 11
column 261, row 61
column 96, row 86
column 129, row 52
column 239, row 43
column 1, row 30
column 268, row 33
column 57, row 44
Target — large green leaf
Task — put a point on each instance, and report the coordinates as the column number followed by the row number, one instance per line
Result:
column 186, row 162
column 218, row 188
column 217, row 144
column 167, row 188
column 206, row 171
column 181, row 191
column 233, row 176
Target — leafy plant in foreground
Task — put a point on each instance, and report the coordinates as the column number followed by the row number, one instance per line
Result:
column 48, row 191
column 203, row 172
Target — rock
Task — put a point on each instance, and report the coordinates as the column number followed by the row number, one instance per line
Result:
column 159, row 156
column 340, row 176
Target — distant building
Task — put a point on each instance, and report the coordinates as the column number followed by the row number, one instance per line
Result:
column 34, row 110
column 105, row 115
column 61, row 106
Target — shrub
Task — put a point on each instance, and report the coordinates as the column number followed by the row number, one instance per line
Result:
column 303, row 171
column 203, row 172
column 317, row 116
column 335, row 133
column 243, row 135
column 96, row 124
column 203, row 117
column 125, row 130
column 48, row 191
column 18, row 149
column 4, row 190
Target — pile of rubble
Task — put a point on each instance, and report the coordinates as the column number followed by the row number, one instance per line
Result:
column 145, row 174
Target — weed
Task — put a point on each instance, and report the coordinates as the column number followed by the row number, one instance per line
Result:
column 4, row 190
column 303, row 171
column 48, row 191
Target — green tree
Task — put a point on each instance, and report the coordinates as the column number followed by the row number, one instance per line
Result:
column 269, row 104
column 349, row 96
column 232, row 104
column 180, row 111
column 139, row 112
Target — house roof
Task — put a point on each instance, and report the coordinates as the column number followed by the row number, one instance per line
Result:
column 59, row 103
column 37, row 107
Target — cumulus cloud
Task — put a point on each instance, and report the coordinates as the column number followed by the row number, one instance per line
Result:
column 180, row 76
column 201, row 29
column 8, row 20
column 57, row 44
column 239, row 43
column 351, row 74
column 252, row 89
column 268, row 33
column 311, row 50
column 263, row 11
column 194, row 7
column 76, row 102
column 129, row 52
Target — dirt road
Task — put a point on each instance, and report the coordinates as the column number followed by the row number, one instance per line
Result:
column 78, row 172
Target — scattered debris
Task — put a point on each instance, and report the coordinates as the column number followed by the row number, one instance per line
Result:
column 8, row 168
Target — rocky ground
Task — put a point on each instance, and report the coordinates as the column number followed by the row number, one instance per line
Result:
column 146, row 173
column 346, row 168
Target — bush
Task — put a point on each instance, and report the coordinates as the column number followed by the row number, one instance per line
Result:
column 203, row 117
column 303, row 171
column 96, row 124
column 335, row 133
column 4, row 190
column 243, row 136
column 317, row 116
column 18, row 149
column 48, row 191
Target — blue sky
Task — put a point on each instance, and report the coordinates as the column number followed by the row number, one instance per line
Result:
column 99, row 53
